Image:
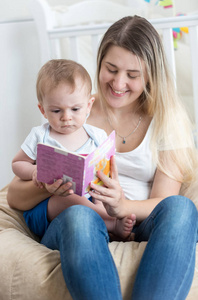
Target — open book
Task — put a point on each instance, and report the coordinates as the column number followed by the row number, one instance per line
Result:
column 54, row 163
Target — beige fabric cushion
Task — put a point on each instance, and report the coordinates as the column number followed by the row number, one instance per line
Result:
column 30, row 271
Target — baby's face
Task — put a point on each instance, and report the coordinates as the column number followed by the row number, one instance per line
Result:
column 66, row 110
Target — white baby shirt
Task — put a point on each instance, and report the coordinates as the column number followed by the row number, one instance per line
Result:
column 40, row 134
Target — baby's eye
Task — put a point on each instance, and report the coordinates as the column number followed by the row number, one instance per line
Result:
column 56, row 111
column 75, row 108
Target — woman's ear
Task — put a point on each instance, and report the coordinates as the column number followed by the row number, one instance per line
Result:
column 42, row 110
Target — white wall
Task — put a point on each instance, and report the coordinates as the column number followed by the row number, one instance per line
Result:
column 19, row 61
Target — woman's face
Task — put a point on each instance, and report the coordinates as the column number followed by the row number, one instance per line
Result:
column 121, row 77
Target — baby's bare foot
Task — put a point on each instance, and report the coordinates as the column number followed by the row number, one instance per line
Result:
column 123, row 227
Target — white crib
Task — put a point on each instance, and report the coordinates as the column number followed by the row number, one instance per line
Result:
column 90, row 19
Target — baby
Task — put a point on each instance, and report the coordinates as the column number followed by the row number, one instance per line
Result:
column 64, row 96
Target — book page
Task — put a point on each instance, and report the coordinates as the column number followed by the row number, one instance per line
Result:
column 99, row 160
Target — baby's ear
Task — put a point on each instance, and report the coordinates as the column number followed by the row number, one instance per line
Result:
column 42, row 109
column 90, row 102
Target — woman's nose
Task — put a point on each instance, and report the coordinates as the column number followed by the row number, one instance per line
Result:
column 119, row 82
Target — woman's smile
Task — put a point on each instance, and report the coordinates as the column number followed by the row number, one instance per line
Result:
column 118, row 93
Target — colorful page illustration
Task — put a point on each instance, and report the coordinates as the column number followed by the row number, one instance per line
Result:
column 99, row 160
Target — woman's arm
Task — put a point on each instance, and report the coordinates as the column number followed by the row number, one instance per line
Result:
column 117, row 206
column 24, row 195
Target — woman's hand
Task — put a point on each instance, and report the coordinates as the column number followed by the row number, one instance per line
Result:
column 59, row 189
column 111, row 193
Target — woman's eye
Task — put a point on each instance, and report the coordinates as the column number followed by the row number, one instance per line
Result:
column 132, row 77
column 111, row 71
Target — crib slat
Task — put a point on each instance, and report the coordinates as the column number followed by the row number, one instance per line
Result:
column 55, row 48
column 94, row 42
column 169, row 49
column 74, row 48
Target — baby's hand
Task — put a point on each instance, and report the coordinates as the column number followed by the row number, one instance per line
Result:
column 34, row 179
column 59, row 189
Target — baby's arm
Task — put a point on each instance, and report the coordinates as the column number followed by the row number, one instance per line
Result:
column 23, row 166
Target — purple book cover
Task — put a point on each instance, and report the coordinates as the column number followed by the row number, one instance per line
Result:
column 54, row 163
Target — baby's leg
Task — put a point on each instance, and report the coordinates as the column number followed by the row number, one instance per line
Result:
column 120, row 228
column 57, row 204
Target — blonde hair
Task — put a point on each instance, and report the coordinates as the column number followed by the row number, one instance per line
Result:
column 171, row 127
column 58, row 71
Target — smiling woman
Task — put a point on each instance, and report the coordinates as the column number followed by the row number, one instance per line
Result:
column 137, row 97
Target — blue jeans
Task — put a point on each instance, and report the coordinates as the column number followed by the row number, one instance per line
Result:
column 166, row 269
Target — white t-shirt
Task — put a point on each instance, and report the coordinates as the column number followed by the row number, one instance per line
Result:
column 136, row 170
column 40, row 134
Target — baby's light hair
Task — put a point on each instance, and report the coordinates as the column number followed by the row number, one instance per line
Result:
column 58, row 71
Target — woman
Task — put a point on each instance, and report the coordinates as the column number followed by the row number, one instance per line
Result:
column 155, row 155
